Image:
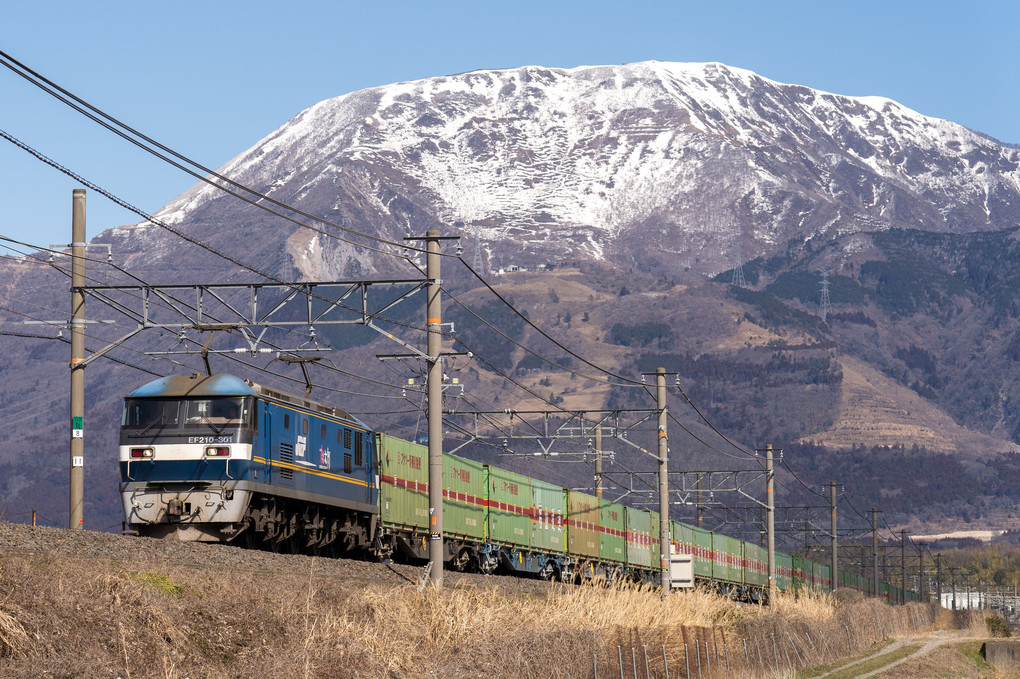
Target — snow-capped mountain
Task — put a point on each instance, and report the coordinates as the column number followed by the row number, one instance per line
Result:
column 662, row 164
column 645, row 175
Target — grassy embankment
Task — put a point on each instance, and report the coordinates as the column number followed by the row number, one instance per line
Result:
column 64, row 617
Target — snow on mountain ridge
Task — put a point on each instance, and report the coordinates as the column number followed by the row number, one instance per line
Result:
column 595, row 151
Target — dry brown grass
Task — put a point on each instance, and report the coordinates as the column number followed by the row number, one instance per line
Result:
column 953, row 660
column 64, row 617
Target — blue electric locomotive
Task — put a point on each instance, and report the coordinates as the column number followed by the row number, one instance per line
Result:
column 216, row 458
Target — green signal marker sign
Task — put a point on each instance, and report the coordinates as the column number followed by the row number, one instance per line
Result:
column 77, row 427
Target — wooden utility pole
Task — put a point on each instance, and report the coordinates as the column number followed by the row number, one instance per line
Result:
column 76, row 497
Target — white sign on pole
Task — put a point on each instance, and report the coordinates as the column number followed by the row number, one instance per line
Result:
column 681, row 569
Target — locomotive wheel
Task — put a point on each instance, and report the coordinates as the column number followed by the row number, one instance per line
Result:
column 272, row 544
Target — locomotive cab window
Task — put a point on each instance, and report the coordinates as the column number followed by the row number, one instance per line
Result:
column 189, row 416
column 148, row 414
column 286, row 420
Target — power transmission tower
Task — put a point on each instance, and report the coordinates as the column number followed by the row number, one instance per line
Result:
column 823, row 304
column 738, row 272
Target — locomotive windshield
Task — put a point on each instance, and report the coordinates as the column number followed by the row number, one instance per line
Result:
column 163, row 417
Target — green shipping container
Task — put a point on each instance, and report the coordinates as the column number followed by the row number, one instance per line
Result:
column 510, row 507
column 756, row 565
column 403, row 484
column 639, row 537
column 682, row 537
column 613, row 533
column 703, row 565
column 726, row 557
column 820, row 573
column 548, row 514
column 464, row 487
column 655, row 553
column 799, row 565
column 784, row 571
column 582, row 524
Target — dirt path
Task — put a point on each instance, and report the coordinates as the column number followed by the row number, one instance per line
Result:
column 930, row 642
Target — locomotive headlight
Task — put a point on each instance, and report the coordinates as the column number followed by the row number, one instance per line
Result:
column 141, row 453
column 217, row 451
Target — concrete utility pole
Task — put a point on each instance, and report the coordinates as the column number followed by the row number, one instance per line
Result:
column 874, row 553
column 938, row 576
column 885, row 573
column 770, row 506
column 76, row 497
column 434, row 319
column 920, row 572
column 699, row 513
column 903, row 562
column 598, row 461
column 664, row 543
column 835, row 568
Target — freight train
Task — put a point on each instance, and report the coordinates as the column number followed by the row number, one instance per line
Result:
column 217, row 458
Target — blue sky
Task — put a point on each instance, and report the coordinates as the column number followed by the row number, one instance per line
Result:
column 210, row 79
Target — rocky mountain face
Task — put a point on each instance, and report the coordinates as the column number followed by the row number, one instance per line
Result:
column 631, row 193
column 670, row 166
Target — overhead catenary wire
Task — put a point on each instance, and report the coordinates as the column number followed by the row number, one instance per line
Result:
column 172, row 230
column 528, row 350
column 488, row 286
column 142, row 141
column 188, row 305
